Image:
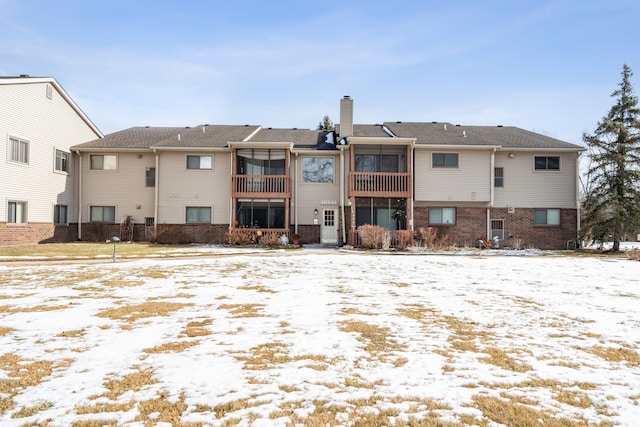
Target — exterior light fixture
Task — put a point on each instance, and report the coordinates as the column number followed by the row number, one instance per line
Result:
column 115, row 240
column 315, row 211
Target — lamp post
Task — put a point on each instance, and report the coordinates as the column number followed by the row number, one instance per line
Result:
column 115, row 240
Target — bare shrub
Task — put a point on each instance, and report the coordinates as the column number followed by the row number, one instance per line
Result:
column 270, row 239
column 634, row 254
column 386, row 240
column 516, row 243
column 239, row 237
column 427, row 236
column 404, row 239
column 371, row 236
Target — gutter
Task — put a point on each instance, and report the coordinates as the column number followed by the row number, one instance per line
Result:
column 79, row 195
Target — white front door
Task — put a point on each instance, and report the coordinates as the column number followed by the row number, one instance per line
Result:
column 329, row 227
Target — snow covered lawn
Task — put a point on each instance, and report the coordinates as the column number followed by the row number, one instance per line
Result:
column 322, row 339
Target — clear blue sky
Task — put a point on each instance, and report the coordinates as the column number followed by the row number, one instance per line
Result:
column 546, row 65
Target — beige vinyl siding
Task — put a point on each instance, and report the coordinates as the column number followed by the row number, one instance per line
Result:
column 180, row 187
column 470, row 182
column 312, row 195
column 123, row 188
column 26, row 113
column 525, row 187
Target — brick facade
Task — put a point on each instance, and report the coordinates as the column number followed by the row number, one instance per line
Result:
column 519, row 230
column 31, row 233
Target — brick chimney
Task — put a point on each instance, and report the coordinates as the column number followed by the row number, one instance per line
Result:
column 346, row 116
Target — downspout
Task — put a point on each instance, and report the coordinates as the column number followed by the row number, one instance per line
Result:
column 412, row 197
column 489, row 236
column 492, row 178
column 295, row 195
column 79, row 196
column 232, row 208
column 156, row 194
column 344, row 222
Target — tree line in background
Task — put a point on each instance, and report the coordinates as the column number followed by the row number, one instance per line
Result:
column 611, row 187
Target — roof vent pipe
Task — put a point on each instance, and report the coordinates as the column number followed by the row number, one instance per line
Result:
column 445, row 126
column 202, row 129
column 178, row 137
column 464, row 133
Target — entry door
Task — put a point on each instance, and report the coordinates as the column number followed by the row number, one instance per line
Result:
column 329, row 227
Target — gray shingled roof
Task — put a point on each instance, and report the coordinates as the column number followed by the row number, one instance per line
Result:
column 297, row 136
column 505, row 136
column 207, row 136
column 368, row 131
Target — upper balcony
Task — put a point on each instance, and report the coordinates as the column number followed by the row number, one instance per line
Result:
column 261, row 186
column 379, row 184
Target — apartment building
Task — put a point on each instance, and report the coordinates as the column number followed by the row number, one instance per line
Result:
column 195, row 184
column 39, row 122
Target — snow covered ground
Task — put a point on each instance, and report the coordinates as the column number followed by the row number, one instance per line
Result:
column 281, row 338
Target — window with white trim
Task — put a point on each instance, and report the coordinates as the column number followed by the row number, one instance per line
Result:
column 102, row 213
column 18, row 150
column 198, row 214
column 100, row 162
column 442, row 216
column 62, row 161
column 150, row 177
column 546, row 163
column 200, row 162
column 444, row 160
column 546, row 217
column 17, row 212
column 60, row 214
column 498, row 177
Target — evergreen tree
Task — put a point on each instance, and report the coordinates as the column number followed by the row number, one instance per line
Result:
column 612, row 205
column 326, row 124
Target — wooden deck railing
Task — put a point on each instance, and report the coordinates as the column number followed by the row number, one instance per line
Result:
column 378, row 184
column 261, row 186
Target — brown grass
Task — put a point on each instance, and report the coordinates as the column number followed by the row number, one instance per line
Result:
column 615, row 354
column 375, row 338
column 23, row 373
column 4, row 330
column 510, row 412
column 131, row 313
column 502, row 359
column 171, row 347
column 243, row 310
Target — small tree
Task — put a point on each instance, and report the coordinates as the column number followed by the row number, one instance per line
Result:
column 326, row 124
column 612, row 203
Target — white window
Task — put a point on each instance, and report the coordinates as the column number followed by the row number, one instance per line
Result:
column 199, row 214
column 498, row 177
column 102, row 213
column 546, row 163
column 444, row 160
column 317, row 169
column 18, row 150
column 150, row 177
column 199, row 162
column 60, row 214
column 497, row 229
column 17, row 212
column 546, row 217
column 62, row 161
column 104, row 162
column 442, row 216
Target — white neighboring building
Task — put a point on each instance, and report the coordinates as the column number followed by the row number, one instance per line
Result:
column 39, row 123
